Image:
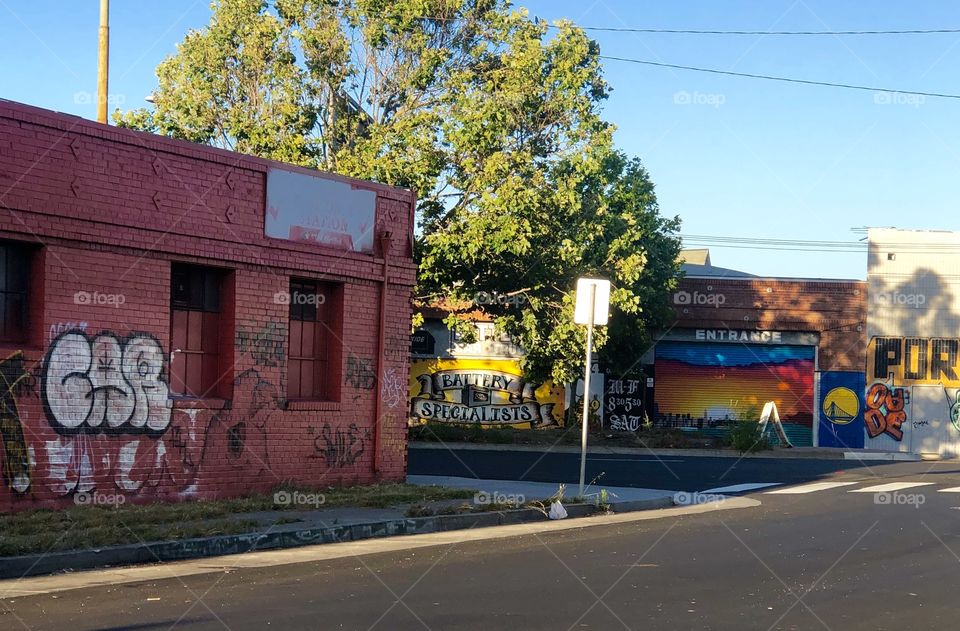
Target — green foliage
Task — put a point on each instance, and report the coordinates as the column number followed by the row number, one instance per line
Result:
column 747, row 437
column 491, row 119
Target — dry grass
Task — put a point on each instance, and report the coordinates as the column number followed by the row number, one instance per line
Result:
column 83, row 527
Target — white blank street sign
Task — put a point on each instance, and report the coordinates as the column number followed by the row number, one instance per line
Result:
column 601, row 301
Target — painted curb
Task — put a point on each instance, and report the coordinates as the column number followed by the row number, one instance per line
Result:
column 36, row 564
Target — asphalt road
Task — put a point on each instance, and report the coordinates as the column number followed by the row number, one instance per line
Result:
column 832, row 558
column 677, row 473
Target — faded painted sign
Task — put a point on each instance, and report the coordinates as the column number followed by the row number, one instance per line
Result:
column 315, row 209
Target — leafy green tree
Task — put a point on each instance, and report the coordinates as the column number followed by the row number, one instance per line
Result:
column 493, row 119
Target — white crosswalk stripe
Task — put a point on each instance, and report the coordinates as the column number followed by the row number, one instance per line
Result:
column 810, row 488
column 816, row 487
column 891, row 487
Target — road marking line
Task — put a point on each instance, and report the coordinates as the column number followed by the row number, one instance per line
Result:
column 736, row 488
column 889, row 488
column 810, row 488
column 953, row 489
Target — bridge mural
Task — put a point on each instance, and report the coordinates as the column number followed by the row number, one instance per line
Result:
column 841, row 409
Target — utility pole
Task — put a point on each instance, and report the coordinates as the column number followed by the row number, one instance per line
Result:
column 103, row 61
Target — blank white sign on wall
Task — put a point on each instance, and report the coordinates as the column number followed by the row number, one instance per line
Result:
column 315, row 209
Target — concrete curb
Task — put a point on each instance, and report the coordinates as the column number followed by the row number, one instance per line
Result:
column 885, row 455
column 35, row 564
column 820, row 453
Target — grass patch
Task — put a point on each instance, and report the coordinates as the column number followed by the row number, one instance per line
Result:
column 82, row 527
column 475, row 433
column 390, row 494
column 97, row 527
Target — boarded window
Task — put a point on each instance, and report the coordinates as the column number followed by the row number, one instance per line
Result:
column 195, row 330
column 313, row 340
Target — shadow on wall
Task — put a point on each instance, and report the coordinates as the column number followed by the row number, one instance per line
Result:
column 836, row 310
column 913, row 364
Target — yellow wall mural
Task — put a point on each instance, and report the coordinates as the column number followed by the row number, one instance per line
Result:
column 491, row 392
column 914, row 361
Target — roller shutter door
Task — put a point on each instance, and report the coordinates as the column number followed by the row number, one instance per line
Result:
column 703, row 384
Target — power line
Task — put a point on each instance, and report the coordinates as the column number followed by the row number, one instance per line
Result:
column 798, row 245
column 779, row 245
column 618, row 29
column 748, row 75
column 829, row 84
column 818, row 242
column 775, row 248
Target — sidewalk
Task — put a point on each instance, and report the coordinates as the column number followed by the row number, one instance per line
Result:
column 820, row 453
column 277, row 529
column 620, row 498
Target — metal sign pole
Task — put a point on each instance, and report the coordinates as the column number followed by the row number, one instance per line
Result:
column 586, row 390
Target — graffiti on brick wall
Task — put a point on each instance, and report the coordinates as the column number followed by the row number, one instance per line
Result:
column 195, row 440
column 340, row 447
column 235, row 436
column 265, row 344
column 62, row 327
column 359, row 374
column 15, row 380
column 103, row 422
column 105, row 384
column 240, row 430
column 392, row 388
column 884, row 412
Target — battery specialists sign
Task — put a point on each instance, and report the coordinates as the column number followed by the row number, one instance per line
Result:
column 487, row 397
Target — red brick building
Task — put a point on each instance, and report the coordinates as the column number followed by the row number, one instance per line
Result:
column 178, row 321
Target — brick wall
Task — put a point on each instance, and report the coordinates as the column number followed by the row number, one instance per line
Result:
column 108, row 210
column 834, row 309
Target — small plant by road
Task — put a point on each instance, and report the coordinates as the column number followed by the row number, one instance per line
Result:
column 747, row 437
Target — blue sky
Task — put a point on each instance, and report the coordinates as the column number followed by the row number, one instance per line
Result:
column 732, row 156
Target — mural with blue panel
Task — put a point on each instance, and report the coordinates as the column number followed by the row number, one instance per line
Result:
column 841, row 409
